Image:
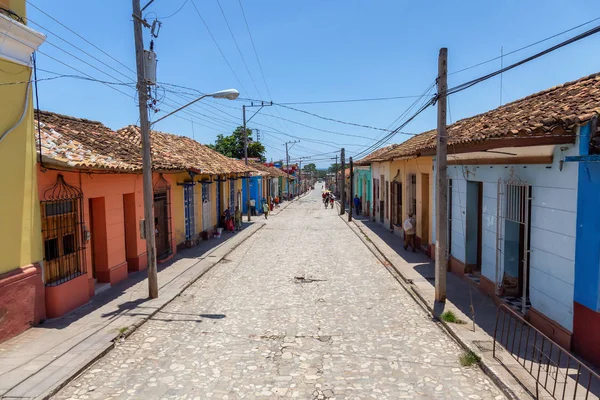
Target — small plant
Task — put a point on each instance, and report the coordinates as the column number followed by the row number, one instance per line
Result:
column 449, row 316
column 469, row 358
column 123, row 330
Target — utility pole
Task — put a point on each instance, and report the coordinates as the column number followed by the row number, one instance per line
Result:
column 351, row 189
column 261, row 105
column 287, row 165
column 246, row 160
column 441, row 203
column 142, row 90
column 337, row 192
column 299, row 190
column 343, row 183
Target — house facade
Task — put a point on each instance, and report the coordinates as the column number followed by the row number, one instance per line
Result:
column 402, row 184
column 362, row 187
column 22, row 302
column 90, row 202
column 520, row 215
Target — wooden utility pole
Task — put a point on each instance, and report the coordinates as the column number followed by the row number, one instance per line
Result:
column 287, row 168
column 441, row 198
column 246, row 161
column 343, row 183
column 351, row 189
column 142, row 90
column 336, row 191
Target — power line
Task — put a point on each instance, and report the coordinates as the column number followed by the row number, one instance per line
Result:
column 238, row 48
column 331, row 119
column 349, row 100
column 176, row 12
column 524, row 47
column 473, row 82
column 78, row 35
column 218, row 47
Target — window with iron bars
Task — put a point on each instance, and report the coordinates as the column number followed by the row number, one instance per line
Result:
column 411, row 192
column 62, row 233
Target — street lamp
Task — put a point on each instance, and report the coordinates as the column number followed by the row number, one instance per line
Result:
column 229, row 94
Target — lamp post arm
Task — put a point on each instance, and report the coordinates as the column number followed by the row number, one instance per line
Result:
column 180, row 108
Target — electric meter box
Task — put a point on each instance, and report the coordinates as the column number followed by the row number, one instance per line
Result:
column 150, row 67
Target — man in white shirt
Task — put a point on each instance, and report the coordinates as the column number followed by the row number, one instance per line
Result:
column 252, row 207
column 409, row 226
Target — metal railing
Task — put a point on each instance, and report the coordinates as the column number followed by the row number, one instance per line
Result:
column 555, row 369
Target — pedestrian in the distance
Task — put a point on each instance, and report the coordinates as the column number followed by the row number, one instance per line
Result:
column 266, row 209
column 409, row 226
column 357, row 204
column 252, row 207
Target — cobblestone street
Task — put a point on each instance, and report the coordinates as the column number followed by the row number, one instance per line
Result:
column 302, row 309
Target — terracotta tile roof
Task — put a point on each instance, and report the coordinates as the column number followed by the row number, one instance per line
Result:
column 549, row 113
column 173, row 152
column 84, row 144
column 374, row 156
column 411, row 147
column 273, row 172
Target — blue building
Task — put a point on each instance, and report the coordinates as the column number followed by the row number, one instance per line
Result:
column 256, row 193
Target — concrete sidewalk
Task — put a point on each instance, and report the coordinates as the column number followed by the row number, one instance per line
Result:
column 41, row 360
column 416, row 272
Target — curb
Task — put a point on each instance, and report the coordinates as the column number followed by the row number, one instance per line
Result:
column 135, row 326
column 416, row 294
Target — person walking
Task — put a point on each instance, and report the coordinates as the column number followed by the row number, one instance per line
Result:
column 266, row 209
column 409, row 226
column 357, row 204
column 252, row 207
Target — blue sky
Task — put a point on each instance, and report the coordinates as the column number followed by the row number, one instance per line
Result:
column 311, row 50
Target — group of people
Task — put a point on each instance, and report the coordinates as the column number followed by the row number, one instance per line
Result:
column 234, row 222
column 328, row 198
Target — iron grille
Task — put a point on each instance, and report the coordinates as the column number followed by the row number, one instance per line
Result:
column 412, row 194
column 63, row 233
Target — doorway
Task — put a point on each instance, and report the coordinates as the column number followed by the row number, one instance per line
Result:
column 397, row 203
column 206, row 206
column 98, row 239
column 517, row 242
column 473, row 227
column 130, row 231
column 425, row 210
column 189, row 206
column 161, row 222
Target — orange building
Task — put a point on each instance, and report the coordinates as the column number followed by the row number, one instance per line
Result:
column 90, row 190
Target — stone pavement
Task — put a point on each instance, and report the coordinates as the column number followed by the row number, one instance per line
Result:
column 302, row 309
column 418, row 273
column 40, row 360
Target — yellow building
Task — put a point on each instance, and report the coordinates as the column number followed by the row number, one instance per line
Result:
column 402, row 182
column 21, row 287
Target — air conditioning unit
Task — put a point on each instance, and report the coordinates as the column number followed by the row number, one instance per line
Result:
column 150, row 67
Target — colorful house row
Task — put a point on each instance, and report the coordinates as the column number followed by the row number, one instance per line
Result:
column 267, row 181
column 524, row 191
column 89, row 186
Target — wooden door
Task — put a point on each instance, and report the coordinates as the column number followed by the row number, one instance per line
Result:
column 161, row 221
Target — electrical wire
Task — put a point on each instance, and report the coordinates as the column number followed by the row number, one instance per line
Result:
column 78, row 35
column 218, row 47
column 176, row 12
column 349, row 100
column 473, row 82
column 331, row 119
column 238, row 48
column 524, row 47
